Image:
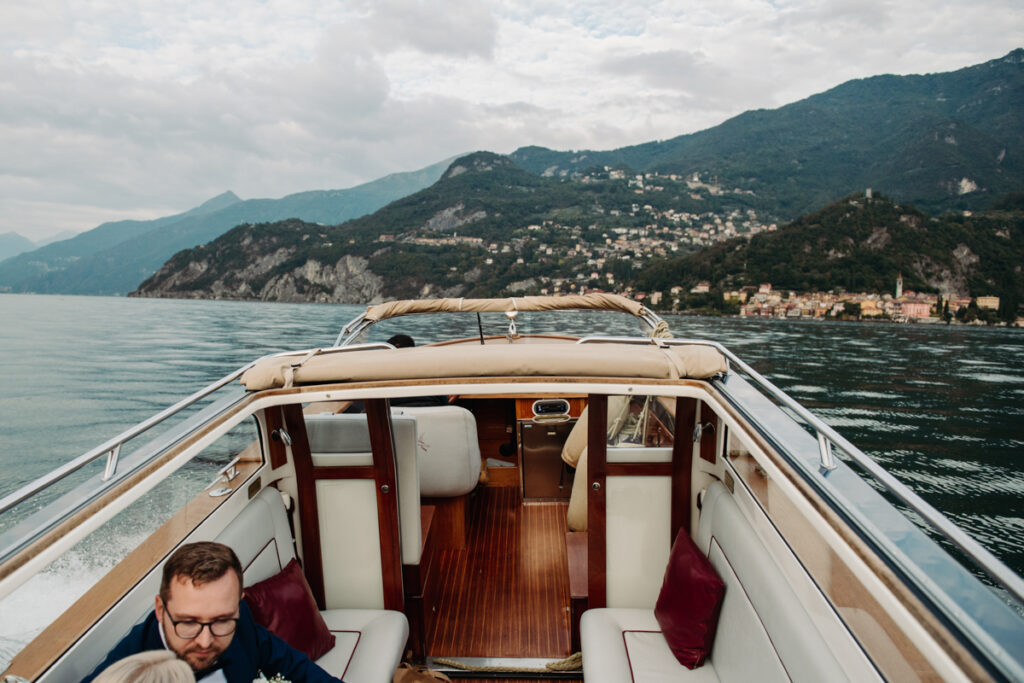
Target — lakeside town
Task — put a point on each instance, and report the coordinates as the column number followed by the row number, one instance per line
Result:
column 903, row 307
column 586, row 255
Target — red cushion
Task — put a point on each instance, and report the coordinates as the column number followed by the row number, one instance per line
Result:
column 285, row 606
column 689, row 602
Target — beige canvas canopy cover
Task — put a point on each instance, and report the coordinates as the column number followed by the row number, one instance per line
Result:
column 595, row 301
column 491, row 360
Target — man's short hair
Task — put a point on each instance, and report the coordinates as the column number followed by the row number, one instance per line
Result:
column 201, row 563
column 402, row 341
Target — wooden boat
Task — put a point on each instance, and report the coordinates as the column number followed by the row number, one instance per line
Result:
column 364, row 461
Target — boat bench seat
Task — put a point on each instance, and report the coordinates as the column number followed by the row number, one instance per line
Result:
column 369, row 643
column 763, row 633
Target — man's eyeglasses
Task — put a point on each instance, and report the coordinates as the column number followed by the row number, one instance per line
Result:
column 189, row 629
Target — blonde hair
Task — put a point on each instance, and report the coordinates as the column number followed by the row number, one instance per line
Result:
column 154, row 666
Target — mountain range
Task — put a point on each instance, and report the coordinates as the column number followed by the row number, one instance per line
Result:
column 489, row 228
column 941, row 141
column 949, row 141
column 12, row 244
column 115, row 257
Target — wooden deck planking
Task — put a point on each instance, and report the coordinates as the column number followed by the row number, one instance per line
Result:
column 507, row 593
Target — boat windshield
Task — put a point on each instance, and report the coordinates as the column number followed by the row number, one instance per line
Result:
column 437, row 327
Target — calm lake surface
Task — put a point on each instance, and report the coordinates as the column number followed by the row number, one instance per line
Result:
column 942, row 408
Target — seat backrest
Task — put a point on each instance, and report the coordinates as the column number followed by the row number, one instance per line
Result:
column 638, row 528
column 347, row 507
column 344, row 440
column 448, row 449
column 261, row 537
column 760, row 611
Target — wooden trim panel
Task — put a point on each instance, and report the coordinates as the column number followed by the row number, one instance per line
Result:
column 309, row 516
column 682, row 465
column 278, row 451
column 638, row 469
column 597, row 451
column 709, row 433
column 357, row 472
column 378, row 417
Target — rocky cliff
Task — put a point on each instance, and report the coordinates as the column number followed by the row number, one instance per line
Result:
column 261, row 265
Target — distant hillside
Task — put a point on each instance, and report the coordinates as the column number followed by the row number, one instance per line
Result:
column 115, row 257
column 483, row 194
column 861, row 244
column 942, row 141
column 489, row 228
column 12, row 244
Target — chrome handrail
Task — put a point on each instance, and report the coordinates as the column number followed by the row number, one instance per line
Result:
column 828, row 437
column 112, row 447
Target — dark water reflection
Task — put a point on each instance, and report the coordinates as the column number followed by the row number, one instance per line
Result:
column 941, row 407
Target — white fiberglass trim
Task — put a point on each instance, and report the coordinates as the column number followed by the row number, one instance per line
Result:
column 922, row 639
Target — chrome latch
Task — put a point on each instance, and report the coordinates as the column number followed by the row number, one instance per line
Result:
column 225, row 475
column 700, row 428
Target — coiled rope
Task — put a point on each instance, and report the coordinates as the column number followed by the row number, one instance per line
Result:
column 660, row 331
column 573, row 662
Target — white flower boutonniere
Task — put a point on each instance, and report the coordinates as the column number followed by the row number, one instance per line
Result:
column 276, row 678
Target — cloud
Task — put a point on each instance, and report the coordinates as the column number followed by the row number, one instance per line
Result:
column 461, row 28
column 142, row 106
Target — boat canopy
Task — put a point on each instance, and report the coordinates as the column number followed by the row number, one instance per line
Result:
column 353, row 364
column 597, row 301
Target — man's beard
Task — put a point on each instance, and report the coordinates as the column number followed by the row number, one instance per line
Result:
column 199, row 658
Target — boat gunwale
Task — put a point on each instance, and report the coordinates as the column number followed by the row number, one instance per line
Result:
column 876, row 563
column 930, row 605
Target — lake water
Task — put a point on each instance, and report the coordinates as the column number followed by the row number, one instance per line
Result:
column 942, row 408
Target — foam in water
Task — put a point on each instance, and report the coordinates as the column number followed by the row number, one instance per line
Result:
column 40, row 600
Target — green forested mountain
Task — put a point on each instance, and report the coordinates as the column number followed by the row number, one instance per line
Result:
column 941, row 141
column 115, row 257
column 411, row 244
column 489, row 228
column 861, row 244
column 546, row 220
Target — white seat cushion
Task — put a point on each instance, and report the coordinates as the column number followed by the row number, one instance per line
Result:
column 626, row 645
column 380, row 635
column 448, row 452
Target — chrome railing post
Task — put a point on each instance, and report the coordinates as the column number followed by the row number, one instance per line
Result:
column 112, row 457
column 828, row 459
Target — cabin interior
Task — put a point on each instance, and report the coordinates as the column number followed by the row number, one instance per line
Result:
column 499, row 520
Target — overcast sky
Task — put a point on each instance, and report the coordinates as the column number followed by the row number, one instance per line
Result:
column 114, row 110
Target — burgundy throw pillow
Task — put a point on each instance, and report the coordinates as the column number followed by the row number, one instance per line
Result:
column 689, row 603
column 285, row 606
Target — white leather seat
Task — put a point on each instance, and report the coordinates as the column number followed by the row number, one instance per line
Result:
column 448, row 450
column 763, row 633
column 368, row 642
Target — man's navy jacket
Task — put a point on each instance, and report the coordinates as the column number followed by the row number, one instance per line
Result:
column 254, row 649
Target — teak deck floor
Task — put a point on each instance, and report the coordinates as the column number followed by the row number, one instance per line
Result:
column 507, row 593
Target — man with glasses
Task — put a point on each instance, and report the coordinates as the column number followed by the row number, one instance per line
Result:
column 200, row 615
